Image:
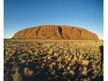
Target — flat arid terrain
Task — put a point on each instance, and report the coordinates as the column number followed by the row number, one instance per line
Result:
column 53, row 60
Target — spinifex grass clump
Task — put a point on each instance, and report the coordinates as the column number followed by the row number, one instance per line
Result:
column 53, row 61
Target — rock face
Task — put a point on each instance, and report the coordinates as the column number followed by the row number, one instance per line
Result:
column 55, row 32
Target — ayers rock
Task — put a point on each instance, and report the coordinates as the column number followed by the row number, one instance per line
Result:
column 55, row 32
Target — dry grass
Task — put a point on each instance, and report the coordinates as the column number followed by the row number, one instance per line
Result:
column 53, row 60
